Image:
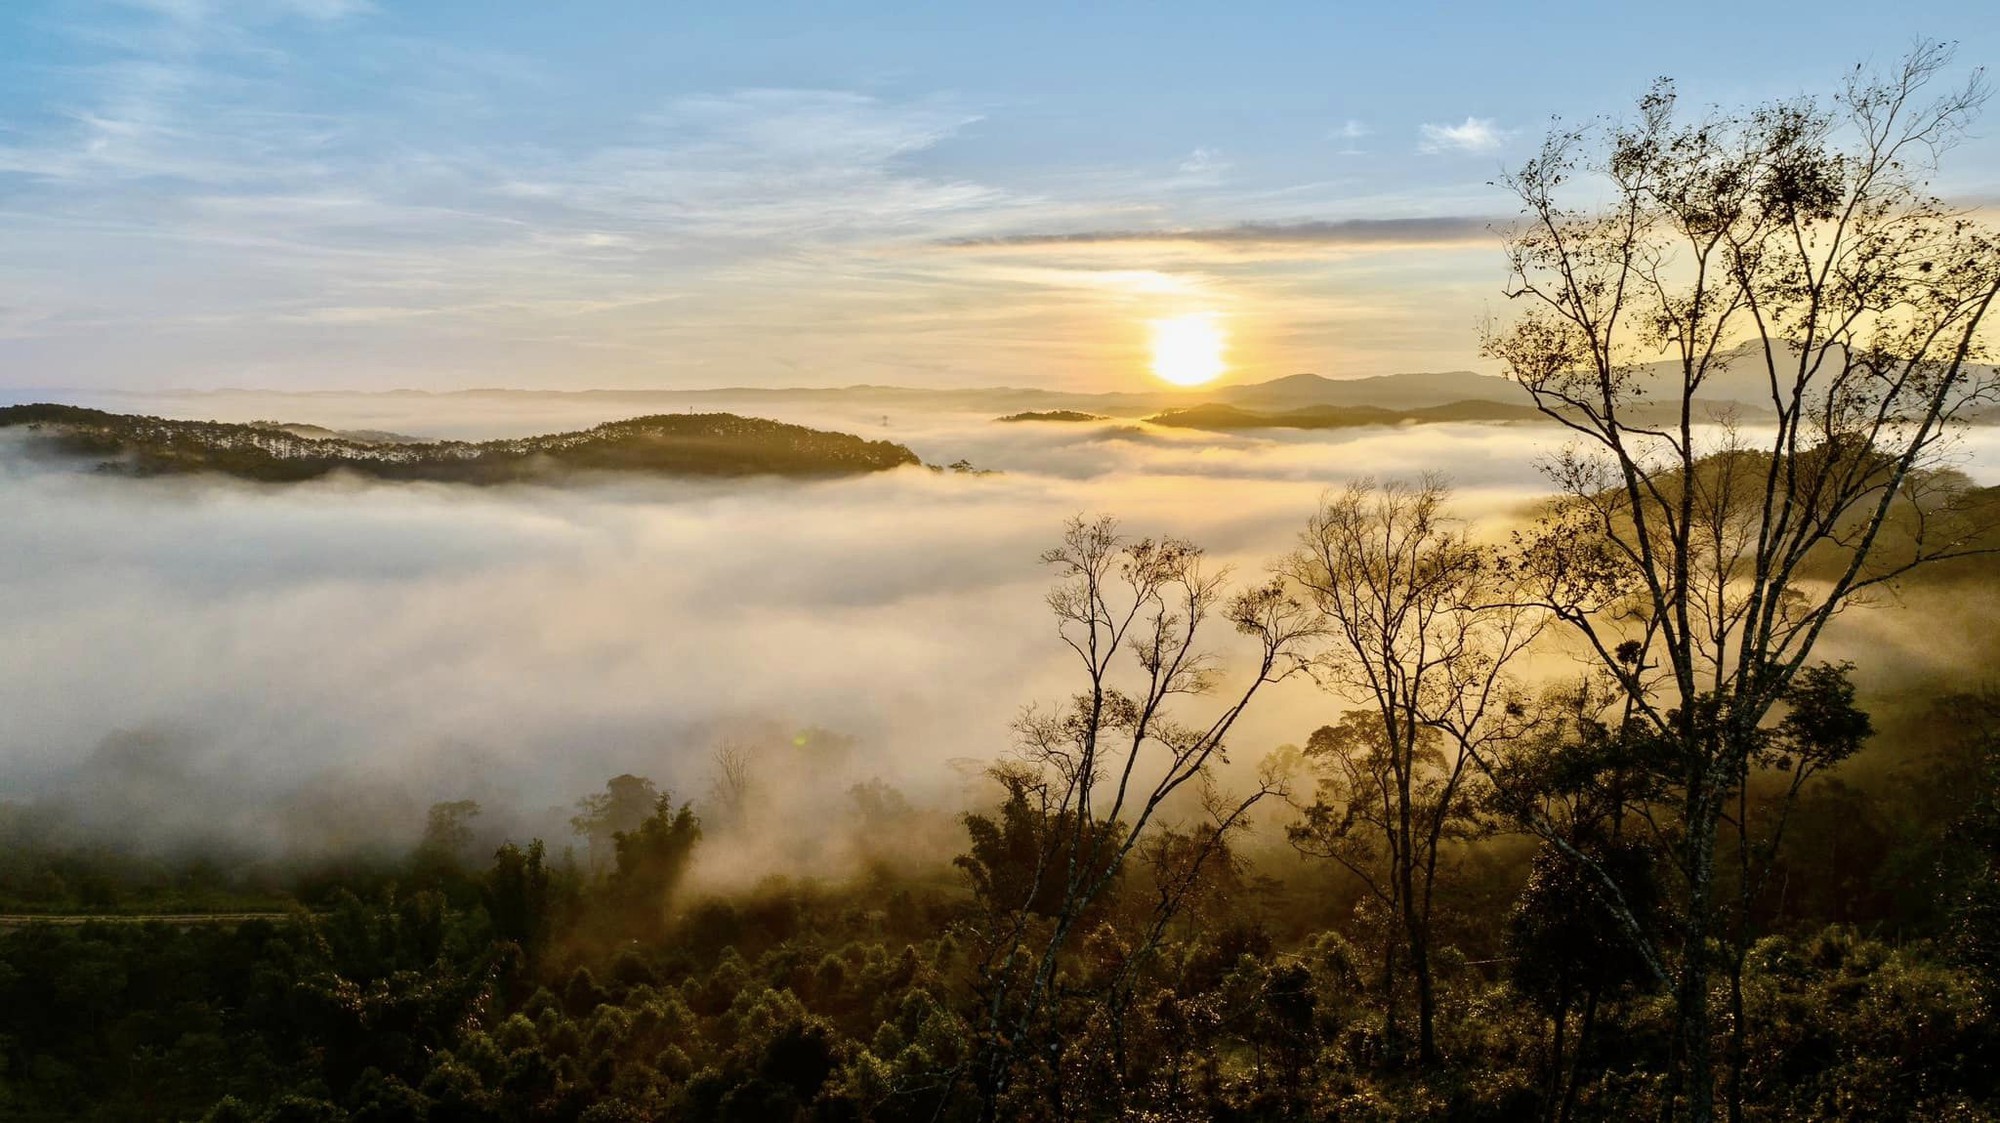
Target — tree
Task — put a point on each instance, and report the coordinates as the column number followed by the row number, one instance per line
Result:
column 624, row 803
column 447, row 836
column 520, row 899
column 1566, row 949
column 730, row 788
column 1416, row 630
column 1974, row 851
column 1821, row 727
column 653, row 857
column 1788, row 258
column 1577, row 775
column 1092, row 777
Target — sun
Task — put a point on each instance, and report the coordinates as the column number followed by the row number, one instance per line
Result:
column 1187, row 350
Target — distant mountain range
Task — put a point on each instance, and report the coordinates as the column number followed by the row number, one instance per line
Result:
column 1389, row 391
column 1384, row 391
column 680, row 444
column 1737, row 388
column 1223, row 417
column 1298, row 401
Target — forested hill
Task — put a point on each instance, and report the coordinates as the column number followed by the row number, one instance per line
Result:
column 681, row 444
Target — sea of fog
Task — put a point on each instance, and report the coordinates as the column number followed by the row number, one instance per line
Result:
column 203, row 656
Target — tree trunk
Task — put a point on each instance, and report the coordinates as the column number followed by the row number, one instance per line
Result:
column 1576, row 1062
column 1736, row 1035
column 1553, row 1094
column 1420, row 966
column 1691, row 994
column 1414, row 927
column 1389, row 1029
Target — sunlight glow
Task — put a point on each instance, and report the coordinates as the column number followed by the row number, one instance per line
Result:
column 1187, row 350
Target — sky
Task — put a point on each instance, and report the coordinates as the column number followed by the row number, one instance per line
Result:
column 371, row 194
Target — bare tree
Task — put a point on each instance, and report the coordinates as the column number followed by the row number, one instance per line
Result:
column 729, row 785
column 1791, row 258
column 1417, row 631
column 1093, row 777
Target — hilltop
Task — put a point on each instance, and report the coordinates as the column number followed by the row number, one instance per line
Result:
column 682, row 444
column 358, row 436
column 1053, row 415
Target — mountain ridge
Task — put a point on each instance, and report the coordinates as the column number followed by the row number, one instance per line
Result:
column 1222, row 417
column 1408, row 390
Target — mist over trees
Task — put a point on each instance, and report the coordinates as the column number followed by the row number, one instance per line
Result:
column 1594, row 826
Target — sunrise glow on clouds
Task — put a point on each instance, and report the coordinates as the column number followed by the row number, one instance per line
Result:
column 296, row 193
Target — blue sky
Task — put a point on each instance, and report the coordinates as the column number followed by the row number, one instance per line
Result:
column 339, row 193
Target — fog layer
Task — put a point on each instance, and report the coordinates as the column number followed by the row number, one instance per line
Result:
column 309, row 665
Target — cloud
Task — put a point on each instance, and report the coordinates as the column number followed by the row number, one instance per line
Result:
column 1349, row 134
column 522, row 644
column 1204, row 161
column 763, row 164
column 196, row 206
column 1368, row 233
column 205, row 11
column 329, row 9
column 191, row 195
column 1473, row 135
column 305, row 667
column 299, row 218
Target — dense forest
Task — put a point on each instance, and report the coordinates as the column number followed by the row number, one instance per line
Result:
column 588, row 983
column 697, row 444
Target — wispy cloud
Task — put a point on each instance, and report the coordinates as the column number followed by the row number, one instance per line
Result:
column 193, row 205
column 1369, row 233
column 307, row 219
column 1473, row 135
column 1204, row 161
column 766, row 164
column 198, row 11
column 1349, row 135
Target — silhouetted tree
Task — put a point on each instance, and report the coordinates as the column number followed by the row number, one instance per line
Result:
column 520, row 899
column 1418, row 629
column 1699, row 563
column 447, row 841
column 1566, row 949
column 624, row 803
column 652, row 859
column 729, row 785
column 1974, row 856
column 1099, row 768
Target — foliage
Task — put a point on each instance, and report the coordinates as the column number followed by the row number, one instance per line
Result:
column 405, row 1007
